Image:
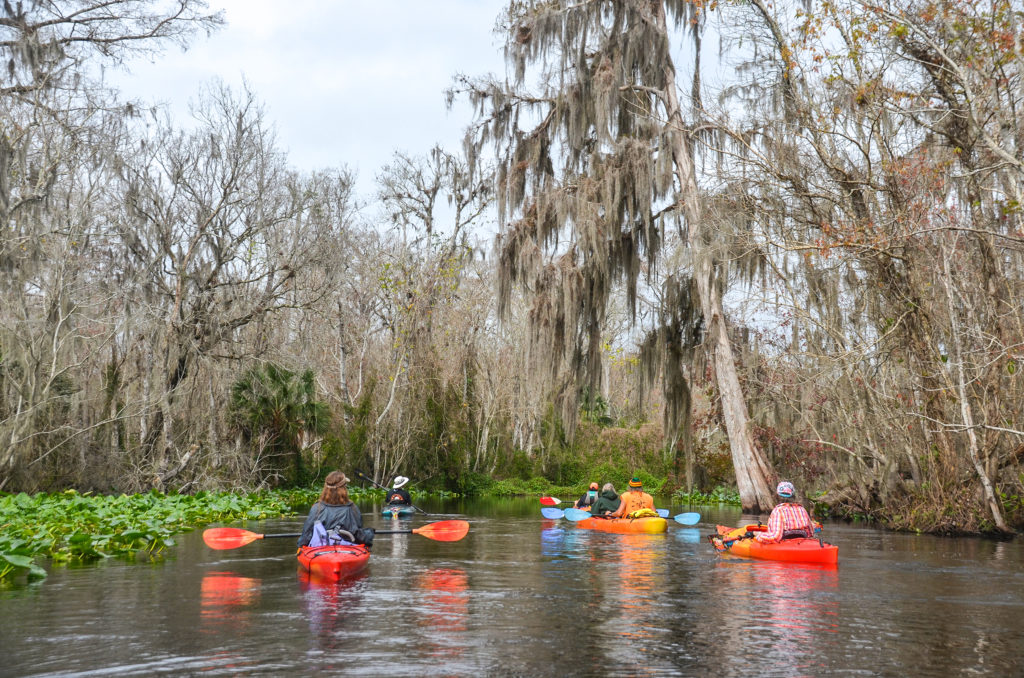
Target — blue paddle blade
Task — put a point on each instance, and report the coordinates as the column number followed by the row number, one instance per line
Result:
column 551, row 513
column 662, row 512
column 576, row 515
column 688, row 518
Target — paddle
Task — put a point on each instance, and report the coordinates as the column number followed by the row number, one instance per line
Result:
column 550, row 501
column 363, row 476
column 576, row 515
column 687, row 518
column 552, row 513
column 222, row 538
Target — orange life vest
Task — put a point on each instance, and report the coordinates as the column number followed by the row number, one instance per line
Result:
column 633, row 500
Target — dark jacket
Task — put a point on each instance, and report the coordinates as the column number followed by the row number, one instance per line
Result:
column 346, row 517
column 607, row 502
column 585, row 500
column 397, row 497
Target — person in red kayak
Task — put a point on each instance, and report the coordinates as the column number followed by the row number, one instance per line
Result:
column 588, row 499
column 635, row 499
column 789, row 519
column 336, row 513
column 396, row 496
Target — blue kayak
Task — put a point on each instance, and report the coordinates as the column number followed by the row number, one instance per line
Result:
column 398, row 511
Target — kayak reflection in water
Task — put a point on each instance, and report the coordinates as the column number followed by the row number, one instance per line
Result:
column 336, row 513
column 396, row 496
column 789, row 519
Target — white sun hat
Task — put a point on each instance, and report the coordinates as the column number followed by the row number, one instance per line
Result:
column 399, row 481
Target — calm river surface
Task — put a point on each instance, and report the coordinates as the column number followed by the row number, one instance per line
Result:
column 524, row 596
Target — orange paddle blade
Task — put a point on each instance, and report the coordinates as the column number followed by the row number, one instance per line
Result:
column 445, row 530
column 222, row 538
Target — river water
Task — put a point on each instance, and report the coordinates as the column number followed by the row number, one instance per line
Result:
column 525, row 596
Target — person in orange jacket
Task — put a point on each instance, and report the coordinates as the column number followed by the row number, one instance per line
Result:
column 634, row 499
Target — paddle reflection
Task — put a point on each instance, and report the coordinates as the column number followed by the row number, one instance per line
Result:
column 226, row 597
column 444, row 610
column 559, row 541
column 778, row 611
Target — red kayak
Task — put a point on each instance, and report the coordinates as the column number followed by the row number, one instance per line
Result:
column 334, row 562
column 732, row 540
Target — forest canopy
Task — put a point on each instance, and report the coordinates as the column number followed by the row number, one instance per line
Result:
column 737, row 242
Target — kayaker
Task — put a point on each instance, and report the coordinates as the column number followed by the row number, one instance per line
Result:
column 634, row 499
column 587, row 499
column 789, row 519
column 607, row 502
column 336, row 511
column 396, row 496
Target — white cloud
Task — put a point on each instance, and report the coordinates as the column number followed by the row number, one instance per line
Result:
column 345, row 82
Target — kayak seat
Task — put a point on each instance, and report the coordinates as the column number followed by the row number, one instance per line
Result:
column 795, row 534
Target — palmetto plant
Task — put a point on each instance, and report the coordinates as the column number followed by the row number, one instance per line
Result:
column 276, row 408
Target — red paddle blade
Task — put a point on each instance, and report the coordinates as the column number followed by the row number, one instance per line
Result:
column 445, row 530
column 222, row 538
column 550, row 501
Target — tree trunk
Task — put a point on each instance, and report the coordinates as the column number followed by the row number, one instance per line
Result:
column 753, row 472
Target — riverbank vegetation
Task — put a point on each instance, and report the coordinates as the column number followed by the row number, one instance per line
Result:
column 69, row 527
column 811, row 269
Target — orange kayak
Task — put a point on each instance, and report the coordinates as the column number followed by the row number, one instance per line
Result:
column 648, row 525
column 731, row 540
column 334, row 562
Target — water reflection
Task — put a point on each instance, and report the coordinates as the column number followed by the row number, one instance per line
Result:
column 687, row 535
column 324, row 600
column 558, row 540
column 227, row 597
column 634, row 624
column 444, row 611
column 778, row 611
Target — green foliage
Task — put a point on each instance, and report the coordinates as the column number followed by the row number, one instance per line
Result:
column 73, row 527
column 594, row 408
column 720, row 495
column 272, row 404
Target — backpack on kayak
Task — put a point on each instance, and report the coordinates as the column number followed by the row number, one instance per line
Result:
column 321, row 537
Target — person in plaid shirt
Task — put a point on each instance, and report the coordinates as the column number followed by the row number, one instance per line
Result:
column 788, row 519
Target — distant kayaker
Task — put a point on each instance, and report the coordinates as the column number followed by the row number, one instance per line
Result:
column 634, row 499
column 788, row 520
column 607, row 502
column 396, row 496
column 587, row 499
column 335, row 511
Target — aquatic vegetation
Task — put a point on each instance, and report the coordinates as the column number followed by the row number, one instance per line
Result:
column 72, row 527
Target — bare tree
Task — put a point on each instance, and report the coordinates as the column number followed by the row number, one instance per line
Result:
column 602, row 156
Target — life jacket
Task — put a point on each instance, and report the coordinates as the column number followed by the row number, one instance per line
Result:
column 634, row 501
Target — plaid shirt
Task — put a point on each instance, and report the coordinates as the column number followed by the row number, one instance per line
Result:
column 784, row 517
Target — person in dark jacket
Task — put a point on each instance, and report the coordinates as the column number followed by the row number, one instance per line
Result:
column 396, row 496
column 587, row 499
column 607, row 502
column 336, row 512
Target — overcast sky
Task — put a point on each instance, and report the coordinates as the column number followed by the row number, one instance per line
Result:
column 344, row 81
